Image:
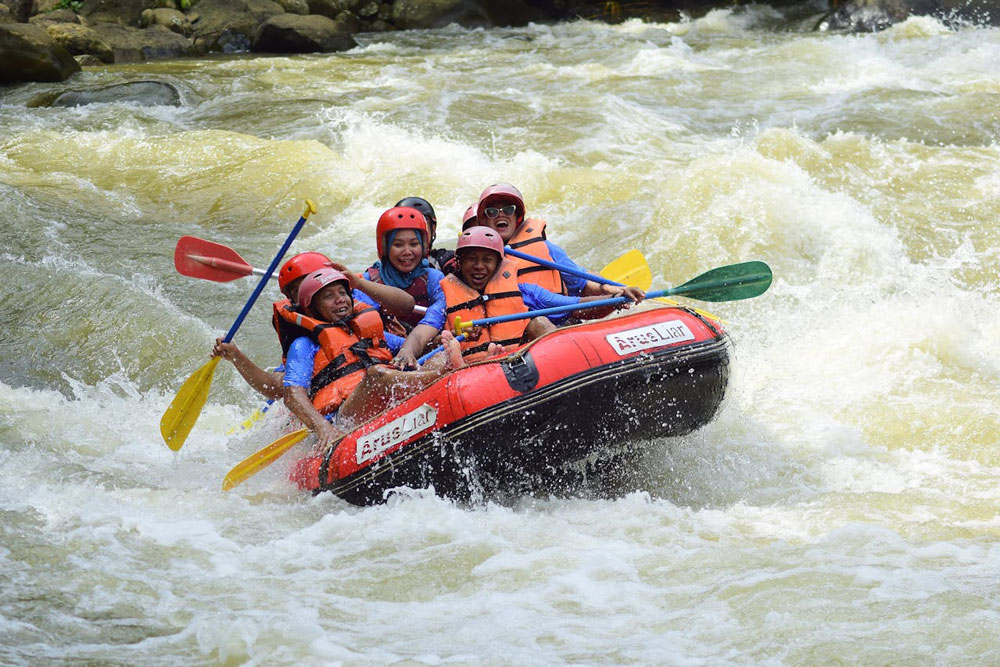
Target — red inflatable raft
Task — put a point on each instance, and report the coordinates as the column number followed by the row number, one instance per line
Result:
column 515, row 423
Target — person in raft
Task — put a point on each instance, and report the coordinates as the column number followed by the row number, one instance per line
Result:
column 487, row 285
column 341, row 368
column 401, row 238
column 501, row 207
column 469, row 218
column 441, row 259
column 284, row 311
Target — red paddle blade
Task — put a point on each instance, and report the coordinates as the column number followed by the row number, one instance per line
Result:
column 199, row 258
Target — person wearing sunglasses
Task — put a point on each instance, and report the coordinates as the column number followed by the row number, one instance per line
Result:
column 501, row 207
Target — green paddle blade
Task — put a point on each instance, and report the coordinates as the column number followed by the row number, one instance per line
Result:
column 629, row 269
column 728, row 283
column 261, row 459
column 184, row 410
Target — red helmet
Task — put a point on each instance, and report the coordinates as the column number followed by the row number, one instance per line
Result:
column 480, row 237
column 316, row 281
column 502, row 192
column 300, row 265
column 400, row 217
column 470, row 218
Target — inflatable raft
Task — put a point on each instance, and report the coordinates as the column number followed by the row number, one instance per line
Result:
column 514, row 424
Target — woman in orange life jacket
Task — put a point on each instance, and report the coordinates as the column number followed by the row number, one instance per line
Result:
column 290, row 276
column 487, row 285
column 441, row 259
column 501, row 207
column 401, row 240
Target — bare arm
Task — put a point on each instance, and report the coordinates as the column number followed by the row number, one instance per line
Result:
column 297, row 401
column 393, row 300
column 267, row 384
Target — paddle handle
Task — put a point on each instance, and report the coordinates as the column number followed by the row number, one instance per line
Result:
column 310, row 208
column 559, row 267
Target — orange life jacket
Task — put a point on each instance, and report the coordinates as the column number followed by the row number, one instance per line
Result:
column 501, row 297
column 530, row 239
column 286, row 328
column 346, row 348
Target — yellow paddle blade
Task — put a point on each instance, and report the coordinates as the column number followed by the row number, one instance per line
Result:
column 251, row 464
column 629, row 269
column 633, row 269
column 183, row 412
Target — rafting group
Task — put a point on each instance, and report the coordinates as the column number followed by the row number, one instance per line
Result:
column 348, row 338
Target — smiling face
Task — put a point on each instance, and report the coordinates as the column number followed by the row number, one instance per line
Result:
column 477, row 265
column 333, row 302
column 405, row 252
column 505, row 220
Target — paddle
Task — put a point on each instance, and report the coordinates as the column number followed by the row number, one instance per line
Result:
column 632, row 269
column 198, row 258
column 184, row 410
column 629, row 269
column 261, row 459
column 726, row 283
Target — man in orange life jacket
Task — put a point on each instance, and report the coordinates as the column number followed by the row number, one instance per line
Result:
column 341, row 366
column 487, row 285
column 501, row 207
column 290, row 276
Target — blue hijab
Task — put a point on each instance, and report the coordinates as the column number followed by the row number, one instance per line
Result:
column 390, row 275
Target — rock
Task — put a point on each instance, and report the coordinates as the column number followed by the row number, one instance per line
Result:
column 292, row 33
column 332, row 8
column 122, row 12
column 57, row 16
column 873, row 15
column 368, row 9
column 349, row 22
column 80, row 40
column 47, row 6
column 135, row 45
column 231, row 25
column 171, row 19
column 294, row 6
column 27, row 53
column 409, row 14
column 22, row 10
column 5, row 15
column 87, row 60
column 145, row 93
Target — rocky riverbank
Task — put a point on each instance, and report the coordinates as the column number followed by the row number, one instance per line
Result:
column 49, row 40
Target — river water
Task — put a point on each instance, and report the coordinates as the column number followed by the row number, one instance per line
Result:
column 843, row 506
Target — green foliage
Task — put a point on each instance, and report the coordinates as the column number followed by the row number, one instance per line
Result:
column 185, row 4
column 74, row 5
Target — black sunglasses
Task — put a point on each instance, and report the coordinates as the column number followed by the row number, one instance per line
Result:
column 493, row 211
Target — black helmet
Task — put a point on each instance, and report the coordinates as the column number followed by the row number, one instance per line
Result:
column 421, row 205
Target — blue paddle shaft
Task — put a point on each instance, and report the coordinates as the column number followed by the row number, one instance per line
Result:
column 267, row 275
column 559, row 267
column 421, row 360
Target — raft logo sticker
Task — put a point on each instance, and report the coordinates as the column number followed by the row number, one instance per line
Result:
column 395, row 432
column 644, row 338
